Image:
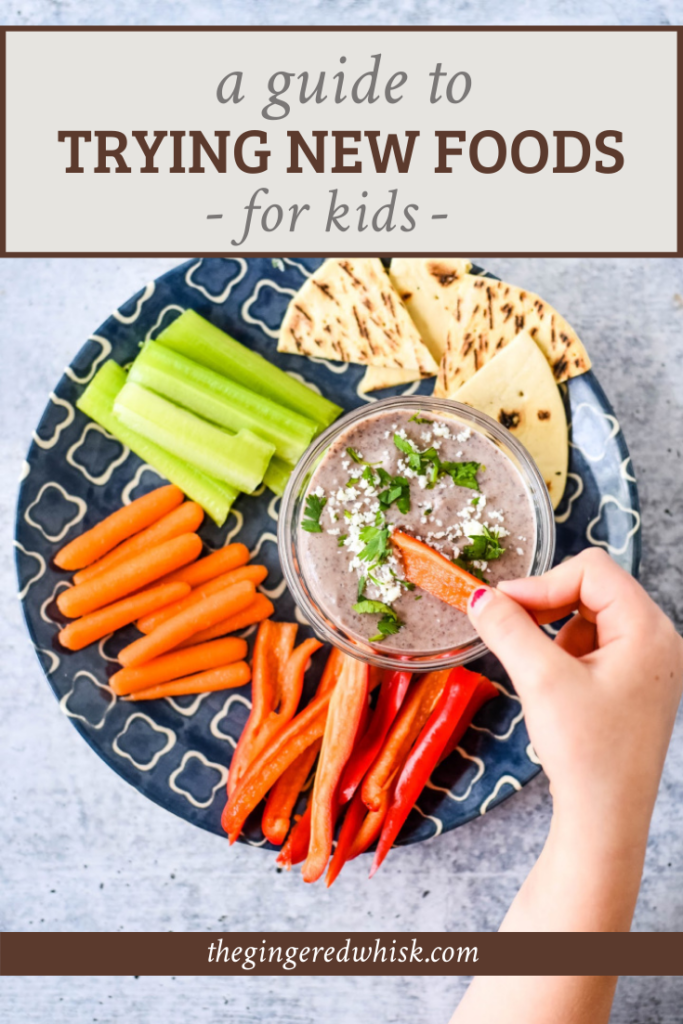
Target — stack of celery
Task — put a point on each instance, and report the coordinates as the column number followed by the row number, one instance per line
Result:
column 212, row 416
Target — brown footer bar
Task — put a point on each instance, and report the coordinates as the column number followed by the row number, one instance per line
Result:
column 338, row 953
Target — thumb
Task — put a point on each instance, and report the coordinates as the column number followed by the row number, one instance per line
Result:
column 508, row 630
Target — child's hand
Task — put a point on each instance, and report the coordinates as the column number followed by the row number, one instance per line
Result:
column 600, row 700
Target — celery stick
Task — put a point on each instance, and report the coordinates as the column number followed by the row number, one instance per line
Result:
column 97, row 402
column 196, row 338
column 240, row 459
column 220, row 400
column 277, row 475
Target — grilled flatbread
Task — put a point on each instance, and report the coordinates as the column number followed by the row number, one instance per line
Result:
column 425, row 285
column 518, row 389
column 348, row 310
column 428, row 287
column 488, row 314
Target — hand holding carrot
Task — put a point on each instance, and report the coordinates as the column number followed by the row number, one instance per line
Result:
column 611, row 681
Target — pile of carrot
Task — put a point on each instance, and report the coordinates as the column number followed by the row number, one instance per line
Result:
column 362, row 766
column 142, row 565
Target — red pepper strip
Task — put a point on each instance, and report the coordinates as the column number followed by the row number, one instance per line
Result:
column 424, row 756
column 394, row 687
column 371, row 827
column 484, row 692
column 284, row 795
column 296, row 848
column 347, row 701
column 405, row 729
column 274, row 644
column 263, row 773
column 355, row 814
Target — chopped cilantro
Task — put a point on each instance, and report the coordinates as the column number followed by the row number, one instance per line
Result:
column 418, row 597
column 341, row 540
column 398, row 491
column 369, row 474
column 386, row 626
column 428, row 512
column 352, row 481
column 353, row 454
column 361, row 588
column 376, row 542
column 428, row 463
column 485, row 546
column 463, row 474
column 418, row 419
column 389, row 622
column 347, row 513
column 312, row 512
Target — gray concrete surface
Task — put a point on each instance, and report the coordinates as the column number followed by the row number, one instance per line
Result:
column 83, row 851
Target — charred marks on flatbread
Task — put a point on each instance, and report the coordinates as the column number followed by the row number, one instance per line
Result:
column 346, row 267
column 509, row 420
column 325, row 289
column 303, row 312
column 543, row 414
column 560, row 367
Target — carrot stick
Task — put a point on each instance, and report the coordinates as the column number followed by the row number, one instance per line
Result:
column 132, row 575
column 187, row 623
column 273, row 645
column 177, row 664
column 254, row 573
column 90, row 628
column 186, row 518
column 215, row 564
column 415, row 710
column 284, row 795
column 260, row 608
column 120, row 525
column 224, row 678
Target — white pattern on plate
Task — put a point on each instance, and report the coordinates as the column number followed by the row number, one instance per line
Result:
column 222, row 296
column 50, row 442
column 147, row 293
column 105, row 349
column 105, row 477
column 41, row 568
column 161, row 729
column 248, row 303
column 220, row 768
column 64, row 702
column 78, row 502
column 504, row 780
column 608, row 499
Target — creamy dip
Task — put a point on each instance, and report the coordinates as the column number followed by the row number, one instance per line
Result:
column 451, row 487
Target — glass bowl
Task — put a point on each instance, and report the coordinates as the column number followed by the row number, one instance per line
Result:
column 292, row 508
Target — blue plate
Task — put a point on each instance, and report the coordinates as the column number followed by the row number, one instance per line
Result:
column 177, row 751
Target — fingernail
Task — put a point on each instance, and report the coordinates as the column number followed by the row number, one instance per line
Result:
column 479, row 599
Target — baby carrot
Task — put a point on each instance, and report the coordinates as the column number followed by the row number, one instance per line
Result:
column 187, row 623
column 224, row 678
column 177, row 664
column 253, row 573
column 260, row 608
column 118, row 527
column 215, row 564
column 93, row 627
column 186, row 518
column 129, row 576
